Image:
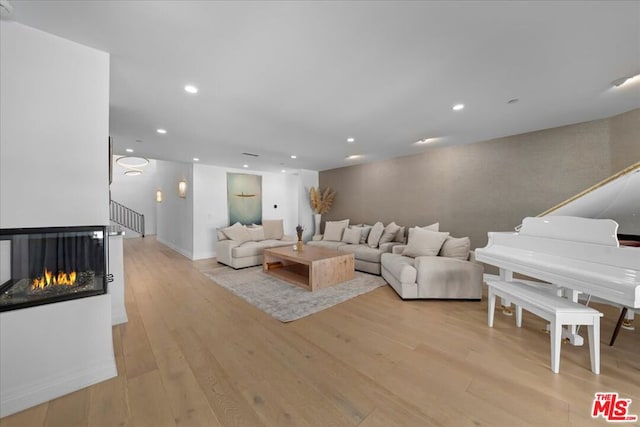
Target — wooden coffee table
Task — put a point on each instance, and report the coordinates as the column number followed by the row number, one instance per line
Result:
column 312, row 268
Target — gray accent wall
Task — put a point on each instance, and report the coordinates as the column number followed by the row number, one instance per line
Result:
column 625, row 139
column 486, row 186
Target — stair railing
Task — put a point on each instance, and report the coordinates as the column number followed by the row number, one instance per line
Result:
column 126, row 217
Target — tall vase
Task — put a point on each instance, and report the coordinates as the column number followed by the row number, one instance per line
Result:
column 316, row 220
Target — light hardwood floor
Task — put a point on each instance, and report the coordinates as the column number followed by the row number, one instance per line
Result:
column 193, row 354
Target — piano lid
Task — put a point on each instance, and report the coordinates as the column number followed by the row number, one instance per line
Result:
column 573, row 252
column 616, row 198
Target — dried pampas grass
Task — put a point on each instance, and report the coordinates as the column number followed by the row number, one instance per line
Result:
column 321, row 201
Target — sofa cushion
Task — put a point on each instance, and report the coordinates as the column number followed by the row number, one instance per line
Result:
column 248, row 249
column 362, row 252
column 277, row 243
column 333, row 230
column 273, row 228
column 387, row 247
column 364, row 232
column 237, row 233
column 326, row 244
column 351, row 236
column 457, row 248
column 448, row 271
column 220, row 234
column 375, row 234
column 400, row 267
column 400, row 236
column 256, row 233
column 424, row 242
column 389, row 233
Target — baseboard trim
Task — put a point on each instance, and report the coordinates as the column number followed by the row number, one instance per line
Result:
column 170, row 245
column 204, row 255
column 27, row 396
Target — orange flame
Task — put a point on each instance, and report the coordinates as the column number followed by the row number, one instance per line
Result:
column 49, row 279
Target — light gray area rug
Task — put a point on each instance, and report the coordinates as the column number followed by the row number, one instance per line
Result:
column 287, row 302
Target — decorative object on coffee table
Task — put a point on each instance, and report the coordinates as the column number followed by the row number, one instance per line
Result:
column 321, row 202
column 299, row 230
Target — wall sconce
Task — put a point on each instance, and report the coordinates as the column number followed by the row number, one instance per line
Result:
column 159, row 196
column 182, row 188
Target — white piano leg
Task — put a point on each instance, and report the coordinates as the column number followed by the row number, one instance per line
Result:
column 492, row 307
column 594, row 345
column 556, row 332
column 506, row 276
column 518, row 316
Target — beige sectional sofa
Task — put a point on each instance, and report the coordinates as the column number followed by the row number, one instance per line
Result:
column 242, row 246
column 433, row 265
column 366, row 242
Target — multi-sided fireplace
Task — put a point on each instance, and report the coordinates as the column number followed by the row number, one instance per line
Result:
column 46, row 265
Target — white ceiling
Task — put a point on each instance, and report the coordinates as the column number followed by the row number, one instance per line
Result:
column 282, row 78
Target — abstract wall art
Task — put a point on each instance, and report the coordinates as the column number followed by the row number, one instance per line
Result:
column 244, row 196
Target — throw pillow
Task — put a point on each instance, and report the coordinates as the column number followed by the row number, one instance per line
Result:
column 433, row 227
column 333, row 230
column 400, row 236
column 220, row 234
column 389, row 233
column 273, row 229
column 424, row 242
column 456, row 248
column 375, row 234
column 256, row 233
column 237, row 234
column 351, row 236
column 364, row 232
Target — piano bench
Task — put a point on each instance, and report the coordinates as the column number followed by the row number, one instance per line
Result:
column 556, row 310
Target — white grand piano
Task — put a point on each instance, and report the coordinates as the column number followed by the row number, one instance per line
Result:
column 593, row 257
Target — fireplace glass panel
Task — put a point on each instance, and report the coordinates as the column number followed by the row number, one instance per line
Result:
column 46, row 265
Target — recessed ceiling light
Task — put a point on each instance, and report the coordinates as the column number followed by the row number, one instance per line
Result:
column 191, row 89
column 458, row 107
column 195, row 159
column 293, row 156
column 625, row 80
column 129, row 150
column 245, row 166
column 351, row 140
column 353, row 157
column 283, row 171
column 162, row 131
column 133, row 172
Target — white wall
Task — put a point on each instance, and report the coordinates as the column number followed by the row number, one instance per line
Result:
column 174, row 216
column 209, row 208
column 54, row 349
column 305, row 180
column 189, row 225
column 54, row 128
column 54, row 124
column 137, row 193
column 210, row 203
